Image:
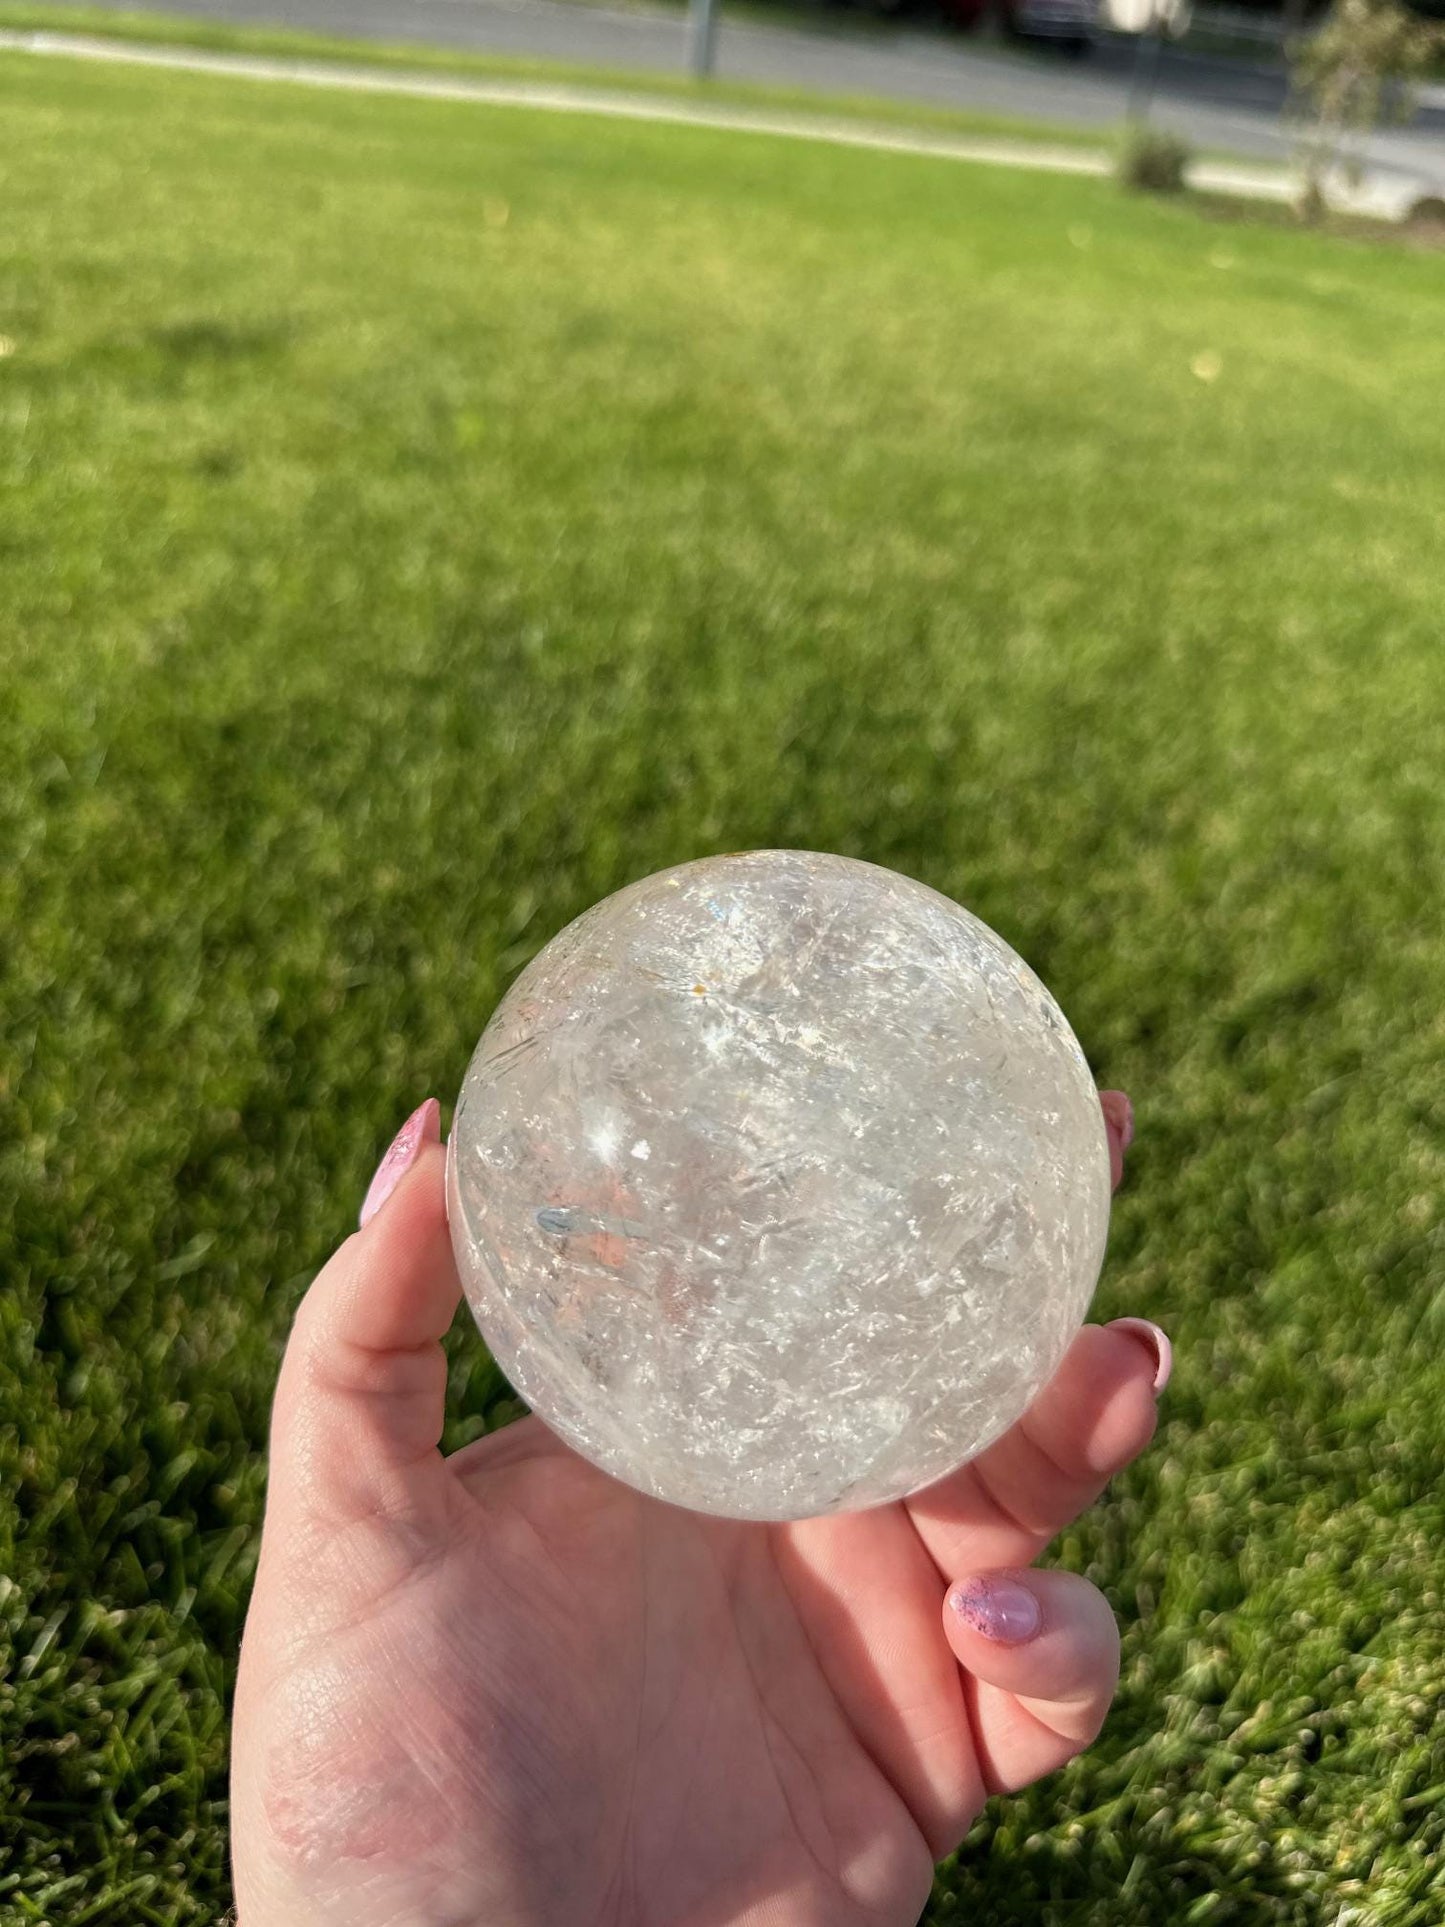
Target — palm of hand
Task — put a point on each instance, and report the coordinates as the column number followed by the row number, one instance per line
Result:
column 503, row 1688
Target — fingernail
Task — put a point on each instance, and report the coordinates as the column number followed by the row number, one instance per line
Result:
column 1120, row 1113
column 422, row 1127
column 999, row 1607
column 1156, row 1341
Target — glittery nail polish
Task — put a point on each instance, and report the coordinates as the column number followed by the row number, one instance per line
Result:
column 423, row 1126
column 999, row 1606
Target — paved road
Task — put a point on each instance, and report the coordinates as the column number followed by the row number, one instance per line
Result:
column 1222, row 105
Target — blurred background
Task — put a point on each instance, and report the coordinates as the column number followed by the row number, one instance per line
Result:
column 430, row 503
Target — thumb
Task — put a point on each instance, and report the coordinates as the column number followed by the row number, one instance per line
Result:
column 1040, row 1653
column 361, row 1395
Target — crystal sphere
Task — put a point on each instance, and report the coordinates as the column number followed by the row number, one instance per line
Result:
column 778, row 1185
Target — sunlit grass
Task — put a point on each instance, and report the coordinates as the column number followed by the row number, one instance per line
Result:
column 415, row 521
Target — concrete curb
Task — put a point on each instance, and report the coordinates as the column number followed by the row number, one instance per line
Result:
column 1387, row 197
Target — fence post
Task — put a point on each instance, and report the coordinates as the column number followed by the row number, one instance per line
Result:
column 702, row 36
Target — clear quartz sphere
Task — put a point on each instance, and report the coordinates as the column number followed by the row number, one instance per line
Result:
column 778, row 1184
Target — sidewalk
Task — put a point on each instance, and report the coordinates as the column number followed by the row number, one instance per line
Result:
column 1385, row 197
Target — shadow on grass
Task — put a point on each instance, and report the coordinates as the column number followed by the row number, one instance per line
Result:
column 207, row 338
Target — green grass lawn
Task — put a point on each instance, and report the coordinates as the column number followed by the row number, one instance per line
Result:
column 417, row 520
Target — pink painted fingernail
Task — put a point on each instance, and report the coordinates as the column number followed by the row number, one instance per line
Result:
column 1120, row 1113
column 999, row 1606
column 424, row 1126
column 1156, row 1341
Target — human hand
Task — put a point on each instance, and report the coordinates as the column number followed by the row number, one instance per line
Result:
column 504, row 1690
